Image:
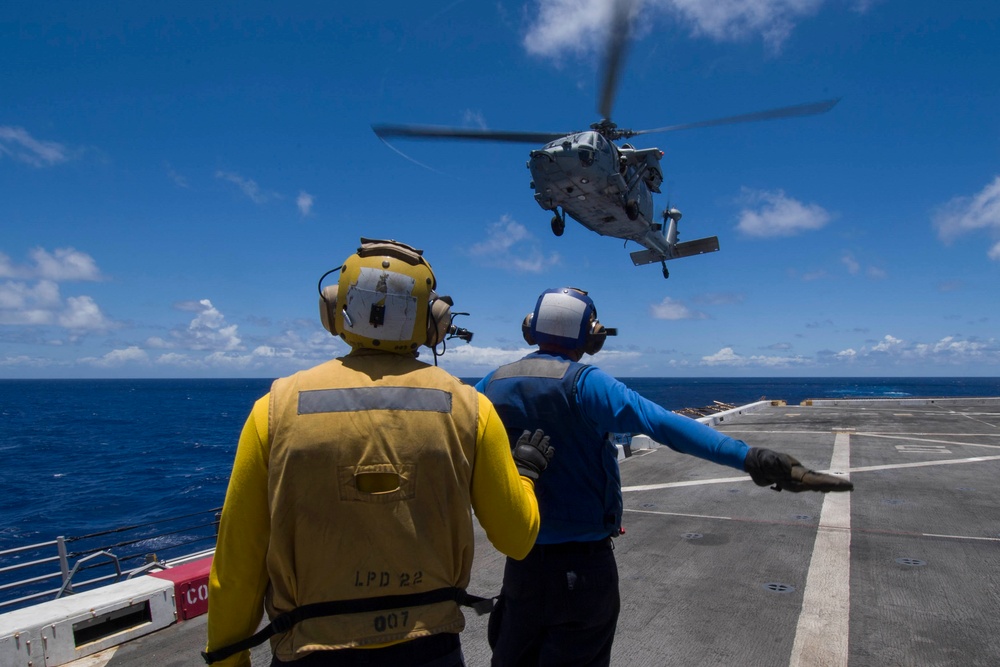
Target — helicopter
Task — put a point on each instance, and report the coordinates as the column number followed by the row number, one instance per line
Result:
column 586, row 176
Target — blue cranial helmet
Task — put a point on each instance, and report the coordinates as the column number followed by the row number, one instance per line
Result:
column 566, row 318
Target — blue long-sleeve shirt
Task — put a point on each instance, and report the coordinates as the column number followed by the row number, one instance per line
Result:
column 612, row 407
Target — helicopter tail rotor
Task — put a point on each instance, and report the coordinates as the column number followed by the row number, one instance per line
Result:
column 670, row 218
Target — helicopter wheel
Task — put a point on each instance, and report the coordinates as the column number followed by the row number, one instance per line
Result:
column 558, row 225
column 666, row 274
column 632, row 209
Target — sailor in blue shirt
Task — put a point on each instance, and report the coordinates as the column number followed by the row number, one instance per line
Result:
column 560, row 604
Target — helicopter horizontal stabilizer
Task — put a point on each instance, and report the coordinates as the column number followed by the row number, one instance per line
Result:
column 686, row 249
column 640, row 257
column 696, row 247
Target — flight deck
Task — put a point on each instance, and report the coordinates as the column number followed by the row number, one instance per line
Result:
column 715, row 570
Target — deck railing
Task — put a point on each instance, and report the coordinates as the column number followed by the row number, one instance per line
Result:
column 49, row 570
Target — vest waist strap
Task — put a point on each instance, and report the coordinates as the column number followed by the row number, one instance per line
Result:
column 284, row 622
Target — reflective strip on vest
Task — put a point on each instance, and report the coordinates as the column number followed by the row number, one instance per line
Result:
column 414, row 399
column 538, row 368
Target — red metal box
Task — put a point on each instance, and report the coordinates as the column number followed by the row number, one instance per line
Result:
column 190, row 587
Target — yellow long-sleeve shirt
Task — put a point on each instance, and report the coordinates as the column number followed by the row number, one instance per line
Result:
column 504, row 503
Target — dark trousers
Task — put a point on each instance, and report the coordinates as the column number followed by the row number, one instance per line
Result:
column 441, row 650
column 558, row 606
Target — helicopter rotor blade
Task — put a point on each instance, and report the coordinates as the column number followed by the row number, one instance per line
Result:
column 440, row 132
column 809, row 109
column 618, row 37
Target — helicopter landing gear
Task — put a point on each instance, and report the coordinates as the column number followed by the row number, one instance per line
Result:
column 666, row 274
column 558, row 224
column 632, row 209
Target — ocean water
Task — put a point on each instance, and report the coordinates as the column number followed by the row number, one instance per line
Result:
column 81, row 456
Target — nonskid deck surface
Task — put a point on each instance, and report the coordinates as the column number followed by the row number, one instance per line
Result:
column 717, row 571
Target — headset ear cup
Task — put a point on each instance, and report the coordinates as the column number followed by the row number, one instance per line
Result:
column 526, row 329
column 328, row 308
column 595, row 338
column 438, row 319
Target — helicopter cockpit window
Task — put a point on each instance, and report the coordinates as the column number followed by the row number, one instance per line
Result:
column 601, row 144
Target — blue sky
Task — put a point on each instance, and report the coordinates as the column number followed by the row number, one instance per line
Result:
column 175, row 178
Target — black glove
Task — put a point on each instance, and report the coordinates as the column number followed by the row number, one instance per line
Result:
column 785, row 472
column 532, row 453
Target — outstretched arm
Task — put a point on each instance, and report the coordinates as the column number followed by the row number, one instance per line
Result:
column 617, row 409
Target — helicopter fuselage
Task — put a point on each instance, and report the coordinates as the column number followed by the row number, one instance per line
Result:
column 606, row 188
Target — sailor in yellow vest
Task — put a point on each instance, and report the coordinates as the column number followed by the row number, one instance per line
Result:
column 348, row 514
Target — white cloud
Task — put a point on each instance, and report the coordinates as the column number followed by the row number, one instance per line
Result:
column 475, row 119
column 208, row 330
column 727, row 357
column 80, row 312
column 178, row 179
column 482, row 359
column 671, row 309
column 19, row 295
column 473, row 361
column 852, row 264
column 248, row 186
column 511, row 246
column 15, row 142
column 855, row 268
column 305, row 202
column 64, row 264
column 887, row 344
column 772, row 213
column 7, row 268
column 735, row 20
column 116, row 358
column 952, row 351
column 24, row 361
column 35, row 300
column 723, row 356
column 61, row 265
column 962, row 215
column 580, row 26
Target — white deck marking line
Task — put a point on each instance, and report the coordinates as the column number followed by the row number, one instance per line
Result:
column 821, row 637
column 963, row 537
column 692, row 482
column 695, row 516
column 898, row 434
column 942, row 442
column 969, row 415
column 809, row 526
column 924, row 464
column 888, row 466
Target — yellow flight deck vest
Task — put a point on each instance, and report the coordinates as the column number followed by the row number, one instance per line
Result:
column 369, row 481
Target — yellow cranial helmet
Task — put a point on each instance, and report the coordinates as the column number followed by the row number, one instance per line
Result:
column 385, row 300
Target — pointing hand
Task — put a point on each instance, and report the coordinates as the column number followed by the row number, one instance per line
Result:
column 768, row 467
